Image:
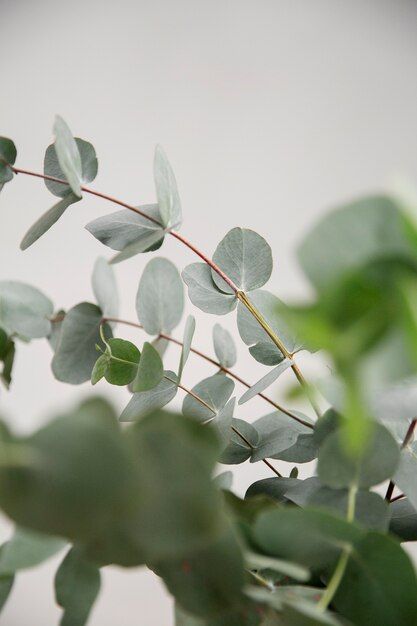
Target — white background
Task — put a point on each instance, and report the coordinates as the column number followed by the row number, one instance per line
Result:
column 271, row 111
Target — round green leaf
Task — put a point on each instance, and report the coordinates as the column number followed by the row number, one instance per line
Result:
column 245, row 257
column 75, row 353
column 203, row 292
column 24, row 310
column 51, row 167
column 123, row 362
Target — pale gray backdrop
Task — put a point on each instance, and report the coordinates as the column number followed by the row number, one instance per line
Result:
column 271, row 111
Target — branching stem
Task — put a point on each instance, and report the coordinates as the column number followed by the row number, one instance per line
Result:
column 239, row 294
column 235, row 430
column 217, row 364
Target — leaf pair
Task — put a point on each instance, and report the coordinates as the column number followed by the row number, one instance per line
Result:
column 244, row 256
column 71, row 160
column 132, row 232
column 122, row 364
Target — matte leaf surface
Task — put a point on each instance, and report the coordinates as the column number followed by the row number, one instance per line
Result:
column 166, row 190
column 24, row 310
column 214, row 391
column 245, row 257
column 224, row 346
column 145, row 402
column 203, row 292
column 76, row 352
column 160, row 297
column 68, row 155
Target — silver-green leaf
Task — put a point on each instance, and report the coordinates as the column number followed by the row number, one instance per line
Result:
column 224, row 346
column 160, row 297
column 69, row 157
column 105, row 288
column 265, row 381
column 76, row 353
column 146, row 402
column 203, row 292
column 24, row 310
column 150, row 369
column 245, row 257
column 215, row 391
column 166, row 190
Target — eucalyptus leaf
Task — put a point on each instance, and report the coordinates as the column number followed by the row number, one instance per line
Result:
column 7, row 356
column 75, row 479
column 150, row 370
column 275, row 488
column 379, row 460
column 8, row 154
column 68, row 155
column 148, row 243
column 24, row 310
column 369, row 593
column 76, row 354
column 27, row 549
column 403, row 521
column 51, row 167
column 47, row 220
column 6, row 582
column 374, row 224
column 125, row 228
column 223, row 423
column 214, row 391
column 174, row 516
column 245, row 257
column 306, row 536
column 371, row 510
column 203, row 292
column 265, row 381
column 105, row 288
column 166, row 190
column 224, row 346
column 186, row 344
column 238, row 451
column 100, row 368
column 77, row 584
column 279, row 434
column 207, row 582
column 224, row 480
column 123, row 360
column 405, row 476
column 160, row 297
column 148, row 401
column 266, row 353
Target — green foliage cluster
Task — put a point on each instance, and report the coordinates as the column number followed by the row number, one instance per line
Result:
column 138, row 489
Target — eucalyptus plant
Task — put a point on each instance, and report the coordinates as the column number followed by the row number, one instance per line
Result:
column 143, row 488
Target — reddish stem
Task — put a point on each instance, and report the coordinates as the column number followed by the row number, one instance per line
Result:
column 217, row 364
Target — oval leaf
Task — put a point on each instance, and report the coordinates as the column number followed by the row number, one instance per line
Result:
column 203, row 292
column 160, row 297
column 245, row 257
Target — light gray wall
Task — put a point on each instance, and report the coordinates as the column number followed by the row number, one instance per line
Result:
column 270, row 111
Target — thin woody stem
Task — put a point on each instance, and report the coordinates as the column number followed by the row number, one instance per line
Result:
column 217, row 364
column 239, row 294
column 235, row 430
column 408, row 436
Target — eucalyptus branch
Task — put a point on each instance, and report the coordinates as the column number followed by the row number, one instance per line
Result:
column 239, row 294
column 217, row 364
column 408, row 436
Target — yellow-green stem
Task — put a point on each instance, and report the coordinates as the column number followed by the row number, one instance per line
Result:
column 340, row 568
